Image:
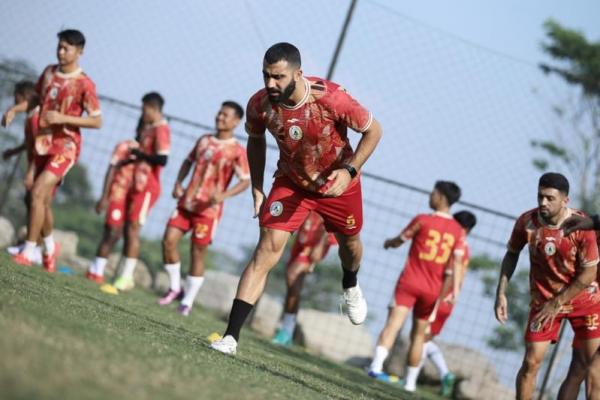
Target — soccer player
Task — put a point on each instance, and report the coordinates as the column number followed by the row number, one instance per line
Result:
column 149, row 159
column 437, row 239
column 117, row 183
column 65, row 93
column 310, row 247
column 216, row 158
column 562, row 279
column 431, row 350
column 317, row 170
column 24, row 91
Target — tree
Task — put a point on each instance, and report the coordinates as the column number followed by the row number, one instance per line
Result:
column 577, row 149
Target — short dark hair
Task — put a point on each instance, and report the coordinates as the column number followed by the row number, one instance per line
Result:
column 283, row 52
column 450, row 190
column 25, row 88
column 72, row 36
column 154, row 99
column 556, row 181
column 239, row 111
column 466, row 219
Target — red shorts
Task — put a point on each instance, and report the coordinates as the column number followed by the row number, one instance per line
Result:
column 444, row 311
column 115, row 213
column 203, row 228
column 411, row 296
column 301, row 255
column 57, row 164
column 585, row 323
column 141, row 202
column 288, row 206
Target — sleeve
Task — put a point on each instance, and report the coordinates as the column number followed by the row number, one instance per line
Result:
column 162, row 145
column 411, row 229
column 91, row 104
column 117, row 154
column 587, row 252
column 255, row 122
column 518, row 237
column 460, row 245
column 39, row 86
column 350, row 112
column 241, row 168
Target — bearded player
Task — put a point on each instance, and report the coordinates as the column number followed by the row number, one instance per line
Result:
column 317, row 171
column 562, row 279
column 216, row 159
column 65, row 93
column 311, row 245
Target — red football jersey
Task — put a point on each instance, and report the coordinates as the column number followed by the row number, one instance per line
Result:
column 435, row 239
column 155, row 139
column 312, row 136
column 123, row 175
column 555, row 259
column 216, row 161
column 31, row 132
column 70, row 94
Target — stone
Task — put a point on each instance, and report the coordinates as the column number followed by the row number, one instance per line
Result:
column 7, row 233
column 266, row 315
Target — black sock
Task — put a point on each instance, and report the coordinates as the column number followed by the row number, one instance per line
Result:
column 237, row 317
column 349, row 279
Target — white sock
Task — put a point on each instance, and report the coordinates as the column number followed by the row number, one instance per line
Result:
column 98, row 266
column 192, row 285
column 49, row 244
column 174, row 271
column 381, row 354
column 412, row 373
column 129, row 267
column 437, row 358
column 29, row 249
column 288, row 323
column 423, row 356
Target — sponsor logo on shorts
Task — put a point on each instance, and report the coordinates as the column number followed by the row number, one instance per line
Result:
column 276, row 208
column 200, row 231
column 295, row 132
column 550, row 248
column 56, row 161
column 350, row 222
column 591, row 322
column 116, row 215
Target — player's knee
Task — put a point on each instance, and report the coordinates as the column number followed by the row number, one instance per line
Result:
column 531, row 363
column 169, row 245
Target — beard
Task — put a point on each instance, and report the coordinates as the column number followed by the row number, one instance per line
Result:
column 276, row 96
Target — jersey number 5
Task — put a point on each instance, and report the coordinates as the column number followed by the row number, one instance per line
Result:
column 436, row 243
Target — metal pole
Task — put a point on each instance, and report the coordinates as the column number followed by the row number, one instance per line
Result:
column 340, row 42
column 552, row 361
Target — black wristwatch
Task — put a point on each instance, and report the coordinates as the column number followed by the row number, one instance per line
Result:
column 351, row 170
column 596, row 219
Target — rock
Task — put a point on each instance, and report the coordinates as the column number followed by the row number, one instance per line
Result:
column 7, row 233
column 162, row 282
column 68, row 242
column 75, row 262
column 218, row 292
column 470, row 390
column 349, row 343
column 266, row 316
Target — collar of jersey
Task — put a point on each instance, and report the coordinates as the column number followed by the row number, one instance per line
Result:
column 158, row 123
column 69, row 75
column 558, row 224
column 230, row 140
column 304, row 99
column 441, row 214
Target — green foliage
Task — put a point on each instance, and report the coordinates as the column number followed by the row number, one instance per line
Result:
column 482, row 262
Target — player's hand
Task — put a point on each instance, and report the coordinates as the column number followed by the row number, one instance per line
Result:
column 55, row 118
column 501, row 308
column 338, row 182
column 101, row 205
column 8, row 117
column 547, row 314
column 577, row 223
column 217, row 198
column 259, row 199
column 450, row 298
column 178, row 191
column 392, row 243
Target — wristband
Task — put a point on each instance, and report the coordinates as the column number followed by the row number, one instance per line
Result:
column 351, row 170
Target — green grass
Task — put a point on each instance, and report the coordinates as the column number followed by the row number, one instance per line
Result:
column 61, row 338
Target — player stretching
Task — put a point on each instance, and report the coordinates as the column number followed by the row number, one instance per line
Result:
column 65, row 92
column 217, row 157
column 25, row 92
column 437, row 239
column 310, row 247
column 317, row 170
column 431, row 350
column 117, row 183
column 562, row 279
column 150, row 158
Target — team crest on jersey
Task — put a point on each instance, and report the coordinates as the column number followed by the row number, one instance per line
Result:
column 53, row 93
column 208, row 154
column 276, row 208
column 550, row 248
column 295, row 132
column 116, row 215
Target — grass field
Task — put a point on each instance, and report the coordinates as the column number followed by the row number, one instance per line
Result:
column 61, row 338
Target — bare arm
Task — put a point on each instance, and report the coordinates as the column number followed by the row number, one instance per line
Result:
column 10, row 114
column 457, row 275
column 509, row 264
column 236, row 189
column 184, row 170
column 257, row 153
column 56, row 118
